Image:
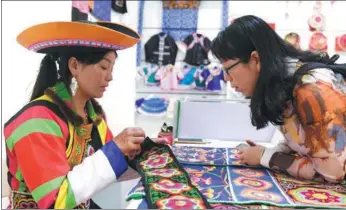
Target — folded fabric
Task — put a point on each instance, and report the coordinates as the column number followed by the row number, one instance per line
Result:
column 154, row 106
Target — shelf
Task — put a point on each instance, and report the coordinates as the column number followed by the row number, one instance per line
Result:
column 158, row 90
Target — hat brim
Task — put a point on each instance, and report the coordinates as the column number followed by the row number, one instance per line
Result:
column 70, row 36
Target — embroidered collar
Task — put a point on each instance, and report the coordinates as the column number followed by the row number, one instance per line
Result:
column 62, row 97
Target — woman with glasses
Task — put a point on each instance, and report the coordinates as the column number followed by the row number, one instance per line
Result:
column 309, row 104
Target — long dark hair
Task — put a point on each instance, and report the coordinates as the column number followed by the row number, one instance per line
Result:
column 48, row 72
column 274, row 85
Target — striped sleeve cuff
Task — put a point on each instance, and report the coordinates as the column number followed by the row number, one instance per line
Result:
column 115, row 158
column 266, row 156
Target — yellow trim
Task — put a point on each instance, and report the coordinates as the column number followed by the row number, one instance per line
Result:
column 44, row 97
column 60, row 202
column 102, row 129
column 70, row 143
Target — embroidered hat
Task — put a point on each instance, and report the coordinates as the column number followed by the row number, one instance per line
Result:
column 56, row 37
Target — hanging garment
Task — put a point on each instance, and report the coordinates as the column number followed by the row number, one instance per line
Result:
column 161, row 49
column 197, row 49
column 199, row 81
column 189, row 77
column 80, row 10
column 213, row 76
column 179, row 22
column 152, row 106
column 102, row 10
column 169, row 77
column 148, row 74
column 119, row 6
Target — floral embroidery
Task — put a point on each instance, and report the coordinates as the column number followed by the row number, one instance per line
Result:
column 164, row 172
column 253, row 183
column 261, row 195
column 169, row 186
column 248, row 172
column 311, row 195
column 180, row 202
column 156, row 161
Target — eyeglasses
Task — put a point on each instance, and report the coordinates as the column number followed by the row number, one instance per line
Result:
column 226, row 70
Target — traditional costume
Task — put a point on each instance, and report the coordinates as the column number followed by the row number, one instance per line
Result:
column 161, row 49
column 55, row 158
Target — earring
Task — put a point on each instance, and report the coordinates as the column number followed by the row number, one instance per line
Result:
column 73, row 86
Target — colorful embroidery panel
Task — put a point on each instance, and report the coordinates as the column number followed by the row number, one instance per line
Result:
column 166, row 183
column 200, row 155
column 237, row 185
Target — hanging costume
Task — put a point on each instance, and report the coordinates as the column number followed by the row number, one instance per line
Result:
column 189, row 77
column 148, row 74
column 161, row 49
column 197, row 49
column 55, row 158
column 213, row 76
column 169, row 77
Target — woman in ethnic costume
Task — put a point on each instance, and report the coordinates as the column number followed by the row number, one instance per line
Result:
column 302, row 92
column 60, row 150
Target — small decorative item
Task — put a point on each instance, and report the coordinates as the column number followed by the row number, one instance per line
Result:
column 119, row 6
column 152, row 106
column 318, row 42
column 340, row 43
column 317, row 20
column 294, row 39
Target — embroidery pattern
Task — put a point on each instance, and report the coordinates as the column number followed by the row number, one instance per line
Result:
column 238, row 185
column 76, row 42
column 175, row 191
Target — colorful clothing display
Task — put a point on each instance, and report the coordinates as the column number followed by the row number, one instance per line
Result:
column 161, row 49
column 197, row 49
column 152, row 106
column 234, row 184
column 169, row 77
column 148, row 74
column 189, row 77
column 42, row 138
column 213, row 76
column 199, row 81
column 102, row 10
column 314, row 128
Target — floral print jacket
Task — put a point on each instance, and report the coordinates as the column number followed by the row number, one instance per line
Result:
column 315, row 130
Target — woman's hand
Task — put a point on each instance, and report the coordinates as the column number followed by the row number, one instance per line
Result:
column 129, row 139
column 251, row 155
